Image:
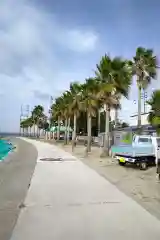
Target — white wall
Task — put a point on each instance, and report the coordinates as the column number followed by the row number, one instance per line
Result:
column 144, row 121
column 112, row 113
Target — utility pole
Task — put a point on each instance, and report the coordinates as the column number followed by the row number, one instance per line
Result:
column 24, row 114
column 144, row 96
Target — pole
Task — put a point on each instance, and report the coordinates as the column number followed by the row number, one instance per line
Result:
column 145, row 98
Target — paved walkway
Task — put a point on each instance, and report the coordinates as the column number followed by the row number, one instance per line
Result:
column 68, row 200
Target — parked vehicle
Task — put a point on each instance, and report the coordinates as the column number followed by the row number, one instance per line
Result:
column 144, row 151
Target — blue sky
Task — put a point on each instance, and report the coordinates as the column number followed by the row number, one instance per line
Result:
column 44, row 45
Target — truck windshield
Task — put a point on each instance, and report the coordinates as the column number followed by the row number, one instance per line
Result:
column 144, row 140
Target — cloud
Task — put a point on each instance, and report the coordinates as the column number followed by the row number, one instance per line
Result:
column 37, row 56
column 41, row 95
column 28, row 35
column 81, row 41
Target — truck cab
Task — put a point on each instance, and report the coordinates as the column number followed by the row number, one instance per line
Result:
column 145, row 149
column 147, row 139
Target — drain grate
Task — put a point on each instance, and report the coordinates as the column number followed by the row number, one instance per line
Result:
column 51, row 159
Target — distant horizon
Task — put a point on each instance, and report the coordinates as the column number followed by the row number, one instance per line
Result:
column 9, row 133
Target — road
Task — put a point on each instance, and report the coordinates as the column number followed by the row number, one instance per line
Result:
column 15, row 175
column 68, row 200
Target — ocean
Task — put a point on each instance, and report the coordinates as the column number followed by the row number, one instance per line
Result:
column 5, row 148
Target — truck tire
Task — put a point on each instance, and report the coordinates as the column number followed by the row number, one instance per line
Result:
column 122, row 163
column 143, row 165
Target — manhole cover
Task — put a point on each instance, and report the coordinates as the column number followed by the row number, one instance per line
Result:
column 51, row 159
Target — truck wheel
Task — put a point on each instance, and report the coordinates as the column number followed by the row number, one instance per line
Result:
column 143, row 166
column 121, row 163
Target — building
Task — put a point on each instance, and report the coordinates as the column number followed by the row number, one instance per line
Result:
column 144, row 119
column 112, row 113
column 147, row 128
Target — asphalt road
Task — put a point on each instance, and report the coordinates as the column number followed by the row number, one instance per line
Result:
column 15, row 175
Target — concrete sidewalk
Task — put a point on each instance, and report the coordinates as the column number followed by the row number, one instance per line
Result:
column 69, row 201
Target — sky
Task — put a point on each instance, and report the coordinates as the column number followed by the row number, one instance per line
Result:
column 45, row 45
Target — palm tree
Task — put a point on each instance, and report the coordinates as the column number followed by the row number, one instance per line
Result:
column 121, row 78
column 114, row 79
column 107, row 97
column 69, row 113
column 42, row 122
column 66, row 110
column 76, row 96
column 144, row 66
column 57, row 113
column 30, row 124
column 37, row 114
column 154, row 114
column 22, row 126
column 90, row 105
column 25, row 125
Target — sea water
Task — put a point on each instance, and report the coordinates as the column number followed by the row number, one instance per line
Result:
column 5, row 148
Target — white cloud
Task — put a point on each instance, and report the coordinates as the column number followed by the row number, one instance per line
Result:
column 81, row 41
column 31, row 42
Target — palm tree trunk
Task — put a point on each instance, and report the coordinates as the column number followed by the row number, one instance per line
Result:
column 65, row 136
column 68, row 130
column 139, row 108
column 118, row 97
column 37, row 128
column 89, row 123
column 116, row 118
column 58, row 129
column 74, row 132
column 106, row 137
column 99, row 121
column 34, row 129
column 37, row 132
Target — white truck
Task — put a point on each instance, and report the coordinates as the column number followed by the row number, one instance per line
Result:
column 144, row 151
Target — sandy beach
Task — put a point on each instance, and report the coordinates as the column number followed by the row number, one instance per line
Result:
column 15, row 175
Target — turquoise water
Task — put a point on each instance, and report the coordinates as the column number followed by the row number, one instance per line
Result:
column 5, row 148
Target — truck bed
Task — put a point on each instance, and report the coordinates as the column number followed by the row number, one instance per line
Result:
column 133, row 151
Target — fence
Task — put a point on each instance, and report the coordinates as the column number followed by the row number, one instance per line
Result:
column 124, row 135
